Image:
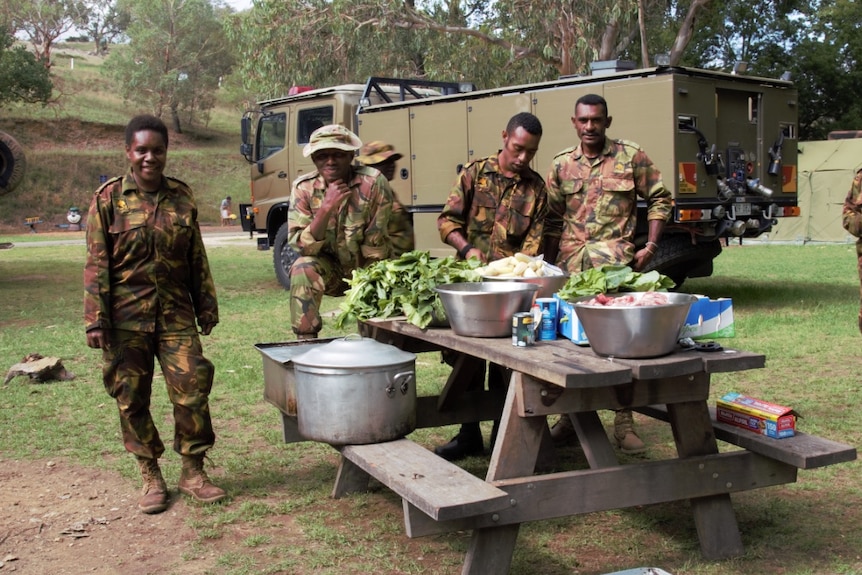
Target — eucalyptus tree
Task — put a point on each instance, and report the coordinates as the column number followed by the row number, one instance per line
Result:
column 22, row 77
column 174, row 60
column 42, row 22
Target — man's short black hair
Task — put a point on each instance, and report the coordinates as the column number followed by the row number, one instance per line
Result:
column 592, row 100
column 145, row 122
column 524, row 120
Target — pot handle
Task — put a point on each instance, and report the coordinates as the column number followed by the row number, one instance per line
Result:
column 404, row 385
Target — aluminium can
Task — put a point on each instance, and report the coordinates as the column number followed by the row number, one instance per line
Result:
column 523, row 333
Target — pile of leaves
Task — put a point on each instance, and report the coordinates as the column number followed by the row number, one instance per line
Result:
column 404, row 286
column 613, row 279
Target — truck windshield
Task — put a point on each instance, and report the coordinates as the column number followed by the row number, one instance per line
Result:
column 270, row 135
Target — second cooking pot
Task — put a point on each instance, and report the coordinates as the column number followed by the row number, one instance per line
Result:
column 355, row 390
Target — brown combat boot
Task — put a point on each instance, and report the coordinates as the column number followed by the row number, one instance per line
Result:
column 154, row 495
column 624, row 433
column 195, row 483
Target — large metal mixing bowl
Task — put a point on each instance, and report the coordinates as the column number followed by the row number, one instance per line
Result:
column 548, row 285
column 634, row 331
column 485, row 309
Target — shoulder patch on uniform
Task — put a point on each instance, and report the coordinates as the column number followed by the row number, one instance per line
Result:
column 628, row 144
column 176, row 180
column 306, row 176
column 108, row 183
column 565, row 152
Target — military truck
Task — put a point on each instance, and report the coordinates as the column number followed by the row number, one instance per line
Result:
column 12, row 163
column 726, row 145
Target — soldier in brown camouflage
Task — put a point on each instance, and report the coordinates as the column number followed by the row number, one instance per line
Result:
column 593, row 189
column 146, row 284
column 383, row 157
column 338, row 221
column 851, row 219
column 496, row 208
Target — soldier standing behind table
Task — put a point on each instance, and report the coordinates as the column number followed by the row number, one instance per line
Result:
column 383, row 157
column 593, row 189
column 339, row 221
column 851, row 219
column 146, row 282
column 496, row 208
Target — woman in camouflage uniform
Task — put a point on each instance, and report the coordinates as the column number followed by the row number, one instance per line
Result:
column 146, row 282
column 852, row 221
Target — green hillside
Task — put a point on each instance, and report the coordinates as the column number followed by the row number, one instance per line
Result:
column 70, row 143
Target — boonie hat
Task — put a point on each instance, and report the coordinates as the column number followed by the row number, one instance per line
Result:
column 376, row 152
column 333, row 136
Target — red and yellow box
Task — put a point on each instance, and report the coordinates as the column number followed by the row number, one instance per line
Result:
column 756, row 415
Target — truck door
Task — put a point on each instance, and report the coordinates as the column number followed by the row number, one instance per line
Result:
column 269, row 170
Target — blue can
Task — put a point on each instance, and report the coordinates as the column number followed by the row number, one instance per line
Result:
column 548, row 327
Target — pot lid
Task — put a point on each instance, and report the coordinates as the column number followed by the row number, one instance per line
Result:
column 354, row 351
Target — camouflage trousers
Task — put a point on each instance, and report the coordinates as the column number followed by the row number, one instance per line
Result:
column 312, row 277
column 859, row 268
column 127, row 374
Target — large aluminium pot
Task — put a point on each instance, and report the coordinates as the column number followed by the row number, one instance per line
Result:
column 355, row 390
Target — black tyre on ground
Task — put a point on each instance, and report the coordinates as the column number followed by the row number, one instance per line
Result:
column 13, row 163
column 283, row 257
column 679, row 259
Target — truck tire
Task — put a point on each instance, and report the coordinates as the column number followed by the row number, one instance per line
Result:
column 12, row 163
column 679, row 259
column 283, row 257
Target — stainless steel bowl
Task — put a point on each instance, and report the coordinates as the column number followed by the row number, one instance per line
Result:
column 548, row 285
column 634, row 331
column 485, row 309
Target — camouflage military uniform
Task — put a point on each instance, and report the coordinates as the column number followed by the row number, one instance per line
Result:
column 593, row 203
column 355, row 237
column 400, row 229
column 852, row 221
column 499, row 215
column 147, row 281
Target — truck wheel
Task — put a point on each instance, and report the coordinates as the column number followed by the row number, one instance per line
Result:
column 12, row 163
column 679, row 259
column 283, row 257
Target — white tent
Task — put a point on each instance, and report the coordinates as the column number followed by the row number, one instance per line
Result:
column 826, row 170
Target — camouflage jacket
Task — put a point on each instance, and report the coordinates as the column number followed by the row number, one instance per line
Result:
column 497, row 214
column 851, row 214
column 592, row 204
column 146, row 266
column 358, row 233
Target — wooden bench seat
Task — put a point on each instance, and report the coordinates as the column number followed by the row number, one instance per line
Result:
column 440, row 489
column 802, row 450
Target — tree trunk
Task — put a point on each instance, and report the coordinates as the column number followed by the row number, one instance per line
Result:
column 642, row 28
column 175, row 119
column 686, row 30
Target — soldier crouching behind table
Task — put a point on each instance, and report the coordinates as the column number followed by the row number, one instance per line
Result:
column 146, row 281
column 339, row 220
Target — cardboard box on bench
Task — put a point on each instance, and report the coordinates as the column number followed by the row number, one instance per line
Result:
column 709, row 318
column 756, row 415
column 568, row 324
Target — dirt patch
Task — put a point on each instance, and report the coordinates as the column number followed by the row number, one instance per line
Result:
column 60, row 518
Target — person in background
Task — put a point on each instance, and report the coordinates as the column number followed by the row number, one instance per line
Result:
column 496, row 208
column 147, row 286
column 851, row 219
column 339, row 219
column 593, row 189
column 226, row 211
column 383, row 158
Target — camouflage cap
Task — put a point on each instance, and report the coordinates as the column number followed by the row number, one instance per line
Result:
column 376, row 152
column 333, row 136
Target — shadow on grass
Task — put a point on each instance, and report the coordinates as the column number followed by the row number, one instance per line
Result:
column 755, row 294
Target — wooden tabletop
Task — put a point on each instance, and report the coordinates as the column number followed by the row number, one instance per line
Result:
column 561, row 362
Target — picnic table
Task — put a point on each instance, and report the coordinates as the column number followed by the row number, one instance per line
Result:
column 558, row 377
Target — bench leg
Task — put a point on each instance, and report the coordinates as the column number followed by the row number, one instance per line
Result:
column 350, row 479
column 714, row 517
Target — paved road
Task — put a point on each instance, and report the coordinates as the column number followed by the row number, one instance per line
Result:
column 216, row 238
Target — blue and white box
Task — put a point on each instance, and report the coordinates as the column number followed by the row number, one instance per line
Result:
column 709, row 318
column 569, row 326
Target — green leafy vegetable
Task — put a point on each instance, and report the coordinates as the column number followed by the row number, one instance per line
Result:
column 612, row 279
column 404, row 286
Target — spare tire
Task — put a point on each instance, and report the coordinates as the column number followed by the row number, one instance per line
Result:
column 12, row 163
